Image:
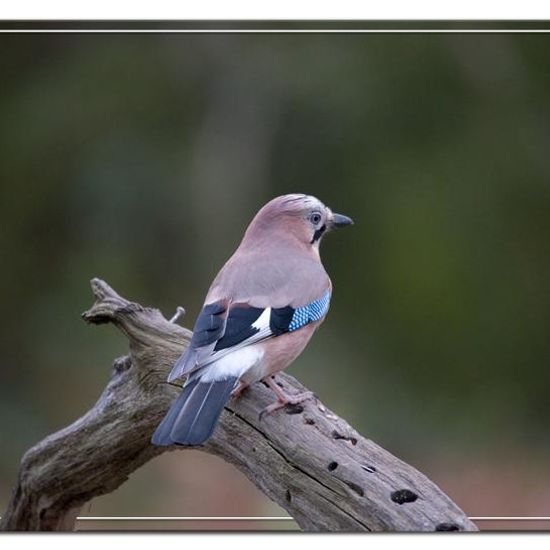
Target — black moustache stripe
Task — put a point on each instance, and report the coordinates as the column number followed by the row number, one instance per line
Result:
column 318, row 234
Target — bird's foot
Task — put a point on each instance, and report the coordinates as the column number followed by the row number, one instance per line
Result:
column 236, row 393
column 283, row 398
column 288, row 400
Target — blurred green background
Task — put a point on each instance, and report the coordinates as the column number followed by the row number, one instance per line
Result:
column 141, row 159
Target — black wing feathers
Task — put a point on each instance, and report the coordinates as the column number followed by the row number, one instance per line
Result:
column 239, row 326
column 280, row 319
column 209, row 325
column 221, row 326
column 209, row 328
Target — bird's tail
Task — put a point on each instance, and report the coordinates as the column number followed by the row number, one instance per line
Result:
column 193, row 416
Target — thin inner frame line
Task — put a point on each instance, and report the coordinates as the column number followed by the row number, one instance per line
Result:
column 185, row 518
column 273, row 518
column 273, row 31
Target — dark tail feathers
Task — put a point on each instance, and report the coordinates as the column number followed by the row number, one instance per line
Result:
column 193, row 416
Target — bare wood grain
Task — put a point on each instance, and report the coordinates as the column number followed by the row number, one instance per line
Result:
column 305, row 458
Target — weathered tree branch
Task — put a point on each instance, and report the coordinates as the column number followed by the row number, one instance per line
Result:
column 305, row 458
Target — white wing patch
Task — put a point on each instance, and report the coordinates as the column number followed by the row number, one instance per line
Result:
column 235, row 363
column 262, row 324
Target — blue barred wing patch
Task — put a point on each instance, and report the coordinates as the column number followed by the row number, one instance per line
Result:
column 311, row 312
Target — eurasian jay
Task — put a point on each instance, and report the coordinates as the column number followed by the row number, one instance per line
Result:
column 259, row 314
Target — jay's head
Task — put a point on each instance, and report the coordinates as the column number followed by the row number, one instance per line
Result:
column 295, row 216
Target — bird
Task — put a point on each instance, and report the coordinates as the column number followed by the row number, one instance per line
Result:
column 258, row 316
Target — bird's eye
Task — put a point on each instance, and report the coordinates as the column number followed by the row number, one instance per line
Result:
column 315, row 218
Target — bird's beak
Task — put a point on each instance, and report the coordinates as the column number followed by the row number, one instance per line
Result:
column 339, row 220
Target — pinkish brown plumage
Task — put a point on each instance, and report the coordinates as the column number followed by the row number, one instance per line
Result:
column 259, row 314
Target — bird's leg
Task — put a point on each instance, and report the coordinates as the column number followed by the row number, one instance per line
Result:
column 239, row 389
column 283, row 398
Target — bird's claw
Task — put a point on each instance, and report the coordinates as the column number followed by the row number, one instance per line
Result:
column 286, row 400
